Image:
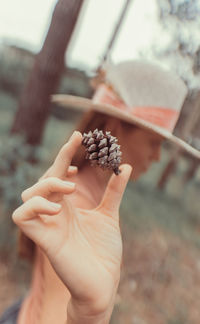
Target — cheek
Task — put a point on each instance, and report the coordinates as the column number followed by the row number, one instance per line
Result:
column 137, row 164
column 136, row 155
column 135, row 175
column 138, row 159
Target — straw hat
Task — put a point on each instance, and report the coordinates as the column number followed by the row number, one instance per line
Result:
column 141, row 93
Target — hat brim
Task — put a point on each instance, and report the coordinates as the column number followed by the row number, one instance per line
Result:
column 85, row 104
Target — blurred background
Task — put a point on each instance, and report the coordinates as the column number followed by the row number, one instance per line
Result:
column 44, row 50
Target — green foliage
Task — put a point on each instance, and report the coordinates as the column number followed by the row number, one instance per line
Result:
column 180, row 27
column 16, row 64
column 182, row 9
column 75, row 82
column 14, row 73
column 15, row 170
column 7, row 102
column 16, row 174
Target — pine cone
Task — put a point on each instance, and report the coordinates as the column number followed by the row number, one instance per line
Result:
column 102, row 150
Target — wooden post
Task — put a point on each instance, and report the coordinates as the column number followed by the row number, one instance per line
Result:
column 176, row 152
column 169, row 169
column 191, row 171
column 116, row 30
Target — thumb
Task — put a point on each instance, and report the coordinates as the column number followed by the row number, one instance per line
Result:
column 113, row 194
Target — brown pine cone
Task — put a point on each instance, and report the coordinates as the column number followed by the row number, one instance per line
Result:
column 102, row 150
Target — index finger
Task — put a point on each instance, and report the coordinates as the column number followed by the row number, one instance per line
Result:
column 65, row 155
column 113, row 194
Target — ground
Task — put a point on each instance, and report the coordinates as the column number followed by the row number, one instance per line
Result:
column 160, row 281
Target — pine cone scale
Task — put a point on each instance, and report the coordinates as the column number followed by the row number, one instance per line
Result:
column 102, row 150
column 92, row 148
column 103, row 143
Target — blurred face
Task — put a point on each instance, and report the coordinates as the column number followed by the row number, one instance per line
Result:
column 140, row 148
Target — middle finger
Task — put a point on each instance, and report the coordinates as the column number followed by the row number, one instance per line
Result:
column 49, row 187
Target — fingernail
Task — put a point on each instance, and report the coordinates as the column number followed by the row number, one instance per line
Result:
column 75, row 133
column 69, row 184
column 55, row 206
column 71, row 137
column 127, row 166
column 73, row 168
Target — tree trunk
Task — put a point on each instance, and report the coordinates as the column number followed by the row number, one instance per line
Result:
column 191, row 171
column 34, row 104
column 169, row 169
column 176, row 153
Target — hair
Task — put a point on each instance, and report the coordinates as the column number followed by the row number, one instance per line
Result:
column 25, row 247
column 92, row 120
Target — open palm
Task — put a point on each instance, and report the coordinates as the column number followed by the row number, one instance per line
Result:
column 83, row 246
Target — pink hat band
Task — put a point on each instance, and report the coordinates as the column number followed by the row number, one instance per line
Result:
column 141, row 93
column 163, row 117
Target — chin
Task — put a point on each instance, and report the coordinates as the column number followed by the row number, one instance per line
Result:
column 135, row 175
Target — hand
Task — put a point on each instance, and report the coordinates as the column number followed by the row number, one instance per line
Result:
column 83, row 246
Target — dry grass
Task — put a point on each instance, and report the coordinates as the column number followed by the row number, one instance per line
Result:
column 159, row 282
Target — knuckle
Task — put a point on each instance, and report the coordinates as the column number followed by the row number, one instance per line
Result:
column 37, row 199
column 52, row 182
column 15, row 215
column 101, row 305
column 25, row 194
column 51, row 179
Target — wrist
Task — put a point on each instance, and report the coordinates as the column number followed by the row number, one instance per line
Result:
column 88, row 314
